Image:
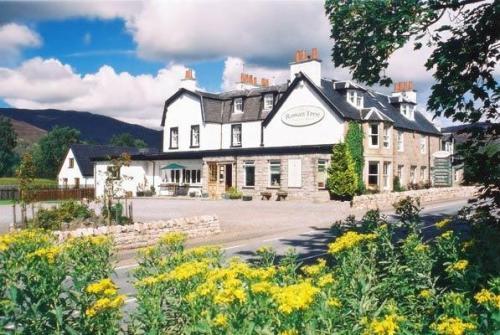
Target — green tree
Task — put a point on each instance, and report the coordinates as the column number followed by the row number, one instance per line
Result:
column 8, row 142
column 50, row 151
column 354, row 142
column 342, row 181
column 127, row 140
column 26, row 175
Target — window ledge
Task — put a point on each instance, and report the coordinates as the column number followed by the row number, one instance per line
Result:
column 194, row 146
column 273, row 187
column 173, row 148
column 248, row 187
column 235, row 145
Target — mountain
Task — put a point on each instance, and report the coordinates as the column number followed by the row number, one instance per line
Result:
column 27, row 132
column 94, row 128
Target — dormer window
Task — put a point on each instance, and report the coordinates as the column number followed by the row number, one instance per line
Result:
column 408, row 111
column 238, row 105
column 268, row 102
column 355, row 98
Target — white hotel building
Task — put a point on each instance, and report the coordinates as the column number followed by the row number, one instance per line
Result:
column 265, row 138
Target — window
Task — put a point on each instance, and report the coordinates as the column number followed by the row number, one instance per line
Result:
column 374, row 135
column 71, row 163
column 249, row 169
column 321, row 175
column 448, row 147
column 77, row 182
column 422, row 144
column 174, row 138
column 238, row 105
column 387, row 136
column 400, row 173
column 359, row 101
column 413, row 170
column 401, row 146
column 195, row 136
column 408, row 111
column 236, row 135
column 422, row 173
column 113, row 172
column 295, row 172
column 268, row 102
column 192, row 176
column 212, row 172
column 65, row 182
column 351, row 97
column 274, row 173
column 355, row 98
column 386, row 171
column 175, row 176
column 373, row 173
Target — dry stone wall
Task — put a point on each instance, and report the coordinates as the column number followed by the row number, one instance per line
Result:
column 385, row 200
column 142, row 234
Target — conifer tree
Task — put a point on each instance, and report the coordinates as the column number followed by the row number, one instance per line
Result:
column 342, row 181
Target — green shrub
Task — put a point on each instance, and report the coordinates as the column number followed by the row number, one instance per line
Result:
column 53, row 218
column 234, row 194
column 354, row 141
column 396, row 185
column 342, row 181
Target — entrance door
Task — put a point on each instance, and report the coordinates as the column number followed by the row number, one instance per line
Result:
column 212, row 180
column 229, row 176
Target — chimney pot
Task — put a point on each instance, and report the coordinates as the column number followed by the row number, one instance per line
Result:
column 314, row 53
column 189, row 74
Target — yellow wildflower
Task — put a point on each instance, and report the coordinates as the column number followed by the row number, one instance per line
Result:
column 467, row 245
column 232, row 291
column 487, row 297
column 152, row 280
column 425, row 294
column 220, row 320
column 460, row 265
column 314, row 270
column 48, row 253
column 421, row 247
column 262, row 287
column 334, row 302
column 174, row 238
column 452, row 326
column 443, row 223
column 446, row 235
column 295, row 297
column 104, row 286
column 289, row 332
column 202, row 251
column 348, row 240
column 105, row 304
column 386, row 326
column 264, row 250
column 188, row 270
column 325, row 280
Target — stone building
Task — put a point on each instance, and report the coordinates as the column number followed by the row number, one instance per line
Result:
column 265, row 138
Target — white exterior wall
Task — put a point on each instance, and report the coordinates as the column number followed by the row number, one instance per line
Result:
column 250, row 134
column 328, row 130
column 184, row 113
column 72, row 173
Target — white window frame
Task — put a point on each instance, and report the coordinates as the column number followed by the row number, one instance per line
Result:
column 71, row 163
column 248, row 164
column 423, row 170
column 386, row 174
column 373, row 174
column 268, row 102
column 355, row 98
column 401, row 141
column 386, row 137
column 400, row 172
column 413, row 174
column 195, row 136
column 236, row 137
column 238, row 105
column 174, row 137
column 321, row 182
column 372, row 135
column 274, row 163
column 423, row 144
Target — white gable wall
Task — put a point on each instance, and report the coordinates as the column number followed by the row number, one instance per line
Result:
column 329, row 130
column 250, row 134
column 72, row 173
column 184, row 113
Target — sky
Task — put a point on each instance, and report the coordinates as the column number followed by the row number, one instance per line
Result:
column 125, row 58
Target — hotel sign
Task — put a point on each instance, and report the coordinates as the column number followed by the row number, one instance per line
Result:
column 302, row 116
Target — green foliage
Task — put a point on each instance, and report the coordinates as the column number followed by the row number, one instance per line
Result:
column 342, row 181
column 50, row 151
column 37, row 182
column 127, row 140
column 25, row 175
column 396, row 185
column 8, row 157
column 354, row 142
column 115, row 214
column 408, row 210
column 234, row 194
column 53, row 218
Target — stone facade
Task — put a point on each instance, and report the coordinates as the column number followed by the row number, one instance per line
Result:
column 386, row 200
column 140, row 234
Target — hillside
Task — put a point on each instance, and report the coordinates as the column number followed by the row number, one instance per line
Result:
column 94, row 128
column 27, row 132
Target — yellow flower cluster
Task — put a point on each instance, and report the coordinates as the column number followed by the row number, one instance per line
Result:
column 23, row 236
column 314, row 270
column 262, row 287
column 452, row 326
column 220, row 320
column 487, row 297
column 467, row 245
column 289, row 332
column 49, row 253
column 460, row 265
column 334, row 302
column 295, row 297
column 425, row 294
column 203, row 251
column 348, row 240
column 104, row 286
column 446, row 235
column 232, row 290
column 421, row 247
column 387, row 326
column 443, row 223
column 174, row 238
column 188, row 270
column 105, row 304
column 325, row 280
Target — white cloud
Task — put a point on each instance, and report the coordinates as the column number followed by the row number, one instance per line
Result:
column 87, row 38
column 13, row 38
column 47, row 83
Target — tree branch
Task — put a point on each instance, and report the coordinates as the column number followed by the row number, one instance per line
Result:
column 456, row 5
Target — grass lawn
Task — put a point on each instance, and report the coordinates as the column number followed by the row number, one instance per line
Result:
column 6, row 202
column 37, row 181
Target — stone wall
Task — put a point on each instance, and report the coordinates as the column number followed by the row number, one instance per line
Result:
column 385, row 200
column 140, row 234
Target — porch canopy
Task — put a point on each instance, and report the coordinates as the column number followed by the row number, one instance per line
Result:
column 173, row 166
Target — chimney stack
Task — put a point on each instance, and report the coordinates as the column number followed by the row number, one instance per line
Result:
column 309, row 64
column 264, row 82
column 189, row 81
column 405, row 89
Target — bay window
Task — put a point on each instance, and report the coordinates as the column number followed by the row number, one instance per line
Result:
column 386, row 171
column 373, row 135
column 387, row 136
column 373, row 173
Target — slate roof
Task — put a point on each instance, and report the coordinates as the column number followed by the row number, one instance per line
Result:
column 85, row 152
column 217, row 108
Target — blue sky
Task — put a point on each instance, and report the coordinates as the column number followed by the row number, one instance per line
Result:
column 124, row 58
